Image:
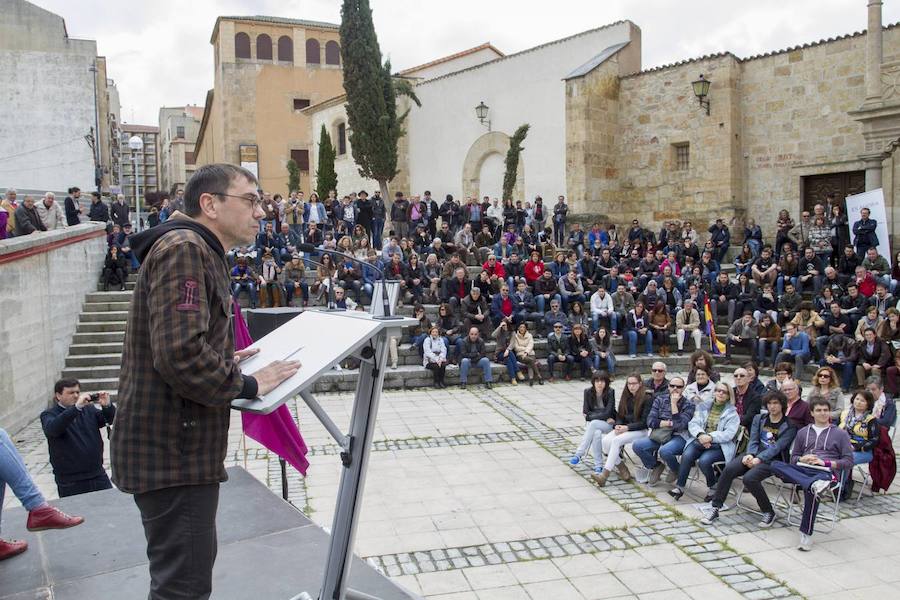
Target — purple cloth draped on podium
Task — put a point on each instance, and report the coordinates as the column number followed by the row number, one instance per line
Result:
column 277, row 430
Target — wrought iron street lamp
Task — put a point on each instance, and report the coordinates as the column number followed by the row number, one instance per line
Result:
column 701, row 90
column 481, row 111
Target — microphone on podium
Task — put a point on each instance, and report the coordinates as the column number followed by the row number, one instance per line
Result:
column 387, row 316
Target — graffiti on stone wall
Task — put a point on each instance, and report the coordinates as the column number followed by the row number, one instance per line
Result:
column 774, row 161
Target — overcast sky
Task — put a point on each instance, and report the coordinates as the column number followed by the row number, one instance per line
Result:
column 159, row 53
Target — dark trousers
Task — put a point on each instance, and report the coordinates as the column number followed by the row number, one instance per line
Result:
column 83, row 486
column 804, row 477
column 753, row 479
column 180, row 527
column 113, row 276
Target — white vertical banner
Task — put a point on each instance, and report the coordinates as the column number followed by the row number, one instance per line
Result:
column 874, row 201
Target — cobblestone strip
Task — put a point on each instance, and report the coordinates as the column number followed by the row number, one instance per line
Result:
column 401, row 444
column 430, row 442
column 735, row 570
column 559, row 546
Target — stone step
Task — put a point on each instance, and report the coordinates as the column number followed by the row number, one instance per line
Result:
column 108, row 307
column 100, row 326
column 129, row 285
column 93, row 371
column 110, row 372
column 108, row 297
column 108, row 315
column 90, row 339
column 82, row 361
column 94, row 349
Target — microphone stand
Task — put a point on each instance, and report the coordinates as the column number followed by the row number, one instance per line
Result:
column 386, row 304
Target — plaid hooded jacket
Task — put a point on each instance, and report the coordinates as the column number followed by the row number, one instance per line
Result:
column 178, row 373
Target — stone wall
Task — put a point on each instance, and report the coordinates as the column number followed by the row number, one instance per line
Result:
column 795, row 121
column 774, row 120
column 41, row 134
column 40, row 300
column 330, row 114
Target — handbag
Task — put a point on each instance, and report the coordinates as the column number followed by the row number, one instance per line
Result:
column 661, row 435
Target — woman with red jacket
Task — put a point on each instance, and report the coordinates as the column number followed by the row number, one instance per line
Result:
column 534, row 268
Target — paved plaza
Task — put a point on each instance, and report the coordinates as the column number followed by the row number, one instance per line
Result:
column 470, row 496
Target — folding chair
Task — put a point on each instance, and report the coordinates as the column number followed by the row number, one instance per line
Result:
column 863, row 470
column 832, row 494
column 744, row 507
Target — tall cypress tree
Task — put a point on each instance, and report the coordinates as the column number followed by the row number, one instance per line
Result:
column 293, row 175
column 512, row 160
column 326, row 177
column 374, row 125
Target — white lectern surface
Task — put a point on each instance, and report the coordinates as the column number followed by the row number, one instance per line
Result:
column 318, row 340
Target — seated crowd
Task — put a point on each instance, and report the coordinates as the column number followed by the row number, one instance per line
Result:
column 812, row 296
column 749, row 430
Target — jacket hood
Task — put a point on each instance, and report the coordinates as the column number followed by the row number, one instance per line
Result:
column 141, row 243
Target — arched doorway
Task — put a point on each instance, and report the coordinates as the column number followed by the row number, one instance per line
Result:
column 486, row 158
column 490, row 176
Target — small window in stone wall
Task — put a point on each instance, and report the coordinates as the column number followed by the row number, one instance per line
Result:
column 300, row 103
column 301, row 157
column 341, row 139
column 682, row 156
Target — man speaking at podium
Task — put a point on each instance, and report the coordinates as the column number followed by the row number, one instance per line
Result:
column 179, row 375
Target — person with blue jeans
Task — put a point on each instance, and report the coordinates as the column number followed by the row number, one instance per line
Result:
column 41, row 515
column 602, row 310
column 794, row 347
column 712, row 429
column 599, row 408
column 668, row 422
column 638, row 326
column 771, row 436
column 601, row 346
column 473, row 353
column 862, row 427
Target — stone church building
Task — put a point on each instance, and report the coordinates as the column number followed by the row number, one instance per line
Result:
column 781, row 130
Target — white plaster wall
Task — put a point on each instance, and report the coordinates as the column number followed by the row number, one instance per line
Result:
column 349, row 179
column 40, row 300
column 523, row 88
column 47, row 99
column 463, row 62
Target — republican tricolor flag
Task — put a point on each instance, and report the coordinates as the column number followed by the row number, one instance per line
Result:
column 715, row 345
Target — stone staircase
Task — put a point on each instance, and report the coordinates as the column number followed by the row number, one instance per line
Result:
column 96, row 352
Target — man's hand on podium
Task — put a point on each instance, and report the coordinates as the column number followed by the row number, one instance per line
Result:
column 272, row 375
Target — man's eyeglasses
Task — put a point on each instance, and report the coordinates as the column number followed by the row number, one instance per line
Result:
column 740, row 375
column 675, row 386
column 658, row 370
column 254, row 200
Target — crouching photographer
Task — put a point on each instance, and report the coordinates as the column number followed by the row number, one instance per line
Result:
column 72, row 427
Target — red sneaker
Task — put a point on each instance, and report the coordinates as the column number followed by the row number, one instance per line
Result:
column 11, row 548
column 50, row 517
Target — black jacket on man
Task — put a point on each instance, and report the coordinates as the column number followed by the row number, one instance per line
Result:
column 98, row 212
column 73, row 438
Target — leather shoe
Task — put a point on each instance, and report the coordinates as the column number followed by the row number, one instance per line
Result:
column 50, row 517
column 10, row 548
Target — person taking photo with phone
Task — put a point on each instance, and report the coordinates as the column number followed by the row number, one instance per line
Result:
column 72, row 426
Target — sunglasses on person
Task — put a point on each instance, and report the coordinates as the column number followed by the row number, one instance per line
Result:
column 658, row 370
column 675, row 386
column 825, row 375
